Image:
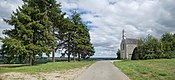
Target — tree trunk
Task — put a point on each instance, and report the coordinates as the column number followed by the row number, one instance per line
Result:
column 74, row 57
column 20, row 59
column 78, row 55
column 32, row 59
column 53, row 56
column 69, row 52
column 69, row 47
column 68, row 57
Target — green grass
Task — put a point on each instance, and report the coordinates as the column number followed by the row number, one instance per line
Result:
column 158, row 69
column 48, row 67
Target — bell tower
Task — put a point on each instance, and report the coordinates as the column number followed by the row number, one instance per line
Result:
column 123, row 34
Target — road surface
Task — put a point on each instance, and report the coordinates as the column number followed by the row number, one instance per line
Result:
column 102, row 70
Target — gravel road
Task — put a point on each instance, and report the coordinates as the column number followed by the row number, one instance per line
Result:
column 102, row 70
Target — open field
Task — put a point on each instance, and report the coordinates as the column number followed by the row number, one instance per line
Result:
column 159, row 69
column 48, row 67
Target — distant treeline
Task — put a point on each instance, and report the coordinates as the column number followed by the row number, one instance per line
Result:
column 40, row 27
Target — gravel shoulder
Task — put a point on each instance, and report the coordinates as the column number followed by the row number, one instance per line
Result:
column 55, row 75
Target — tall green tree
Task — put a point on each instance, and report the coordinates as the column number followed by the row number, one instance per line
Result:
column 148, row 48
column 57, row 18
column 66, row 34
column 152, row 47
column 31, row 34
column 139, row 51
column 168, row 42
column 81, row 39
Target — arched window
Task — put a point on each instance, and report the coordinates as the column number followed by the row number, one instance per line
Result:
column 123, row 46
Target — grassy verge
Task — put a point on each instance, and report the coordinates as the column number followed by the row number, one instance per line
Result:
column 48, row 67
column 160, row 69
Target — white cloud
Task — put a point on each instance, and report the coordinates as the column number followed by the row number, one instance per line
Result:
column 6, row 8
column 109, row 17
column 137, row 17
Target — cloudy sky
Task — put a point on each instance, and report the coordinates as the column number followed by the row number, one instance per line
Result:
column 107, row 18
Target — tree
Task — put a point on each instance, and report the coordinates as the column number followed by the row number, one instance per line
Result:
column 81, row 39
column 76, row 38
column 67, row 33
column 40, row 27
column 168, row 42
column 118, row 54
column 57, row 18
column 152, row 47
column 148, row 48
column 139, row 51
column 31, row 35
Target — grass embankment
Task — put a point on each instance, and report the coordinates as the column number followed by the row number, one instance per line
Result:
column 48, row 67
column 160, row 69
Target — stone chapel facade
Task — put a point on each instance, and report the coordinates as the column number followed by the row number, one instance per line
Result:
column 127, row 46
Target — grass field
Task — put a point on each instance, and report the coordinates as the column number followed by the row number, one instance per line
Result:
column 159, row 69
column 48, row 67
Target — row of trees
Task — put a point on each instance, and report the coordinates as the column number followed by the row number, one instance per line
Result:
column 152, row 48
column 41, row 27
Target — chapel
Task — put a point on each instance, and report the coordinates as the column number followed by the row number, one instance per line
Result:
column 127, row 46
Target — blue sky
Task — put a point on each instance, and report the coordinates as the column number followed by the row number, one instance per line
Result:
column 107, row 18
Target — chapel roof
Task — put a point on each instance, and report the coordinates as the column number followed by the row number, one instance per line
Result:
column 130, row 41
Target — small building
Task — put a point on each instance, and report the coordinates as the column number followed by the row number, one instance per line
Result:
column 127, row 46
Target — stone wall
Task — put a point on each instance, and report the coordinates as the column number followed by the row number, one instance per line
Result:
column 122, row 51
column 130, row 48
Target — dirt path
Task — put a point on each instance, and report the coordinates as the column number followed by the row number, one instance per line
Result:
column 102, row 70
column 56, row 75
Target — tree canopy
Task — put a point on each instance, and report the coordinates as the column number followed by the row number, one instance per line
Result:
column 152, row 48
column 40, row 27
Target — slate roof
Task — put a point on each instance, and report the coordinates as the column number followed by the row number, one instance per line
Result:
column 130, row 41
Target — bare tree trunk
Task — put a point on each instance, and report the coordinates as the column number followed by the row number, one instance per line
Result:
column 69, row 47
column 74, row 53
column 30, row 60
column 78, row 55
column 33, row 60
column 68, row 53
column 20, row 59
column 53, row 56
column 68, row 58
column 74, row 57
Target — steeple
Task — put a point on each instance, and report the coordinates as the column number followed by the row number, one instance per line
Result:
column 123, row 34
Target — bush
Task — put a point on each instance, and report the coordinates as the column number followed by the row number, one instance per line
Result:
column 118, row 54
column 169, row 54
column 150, row 56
